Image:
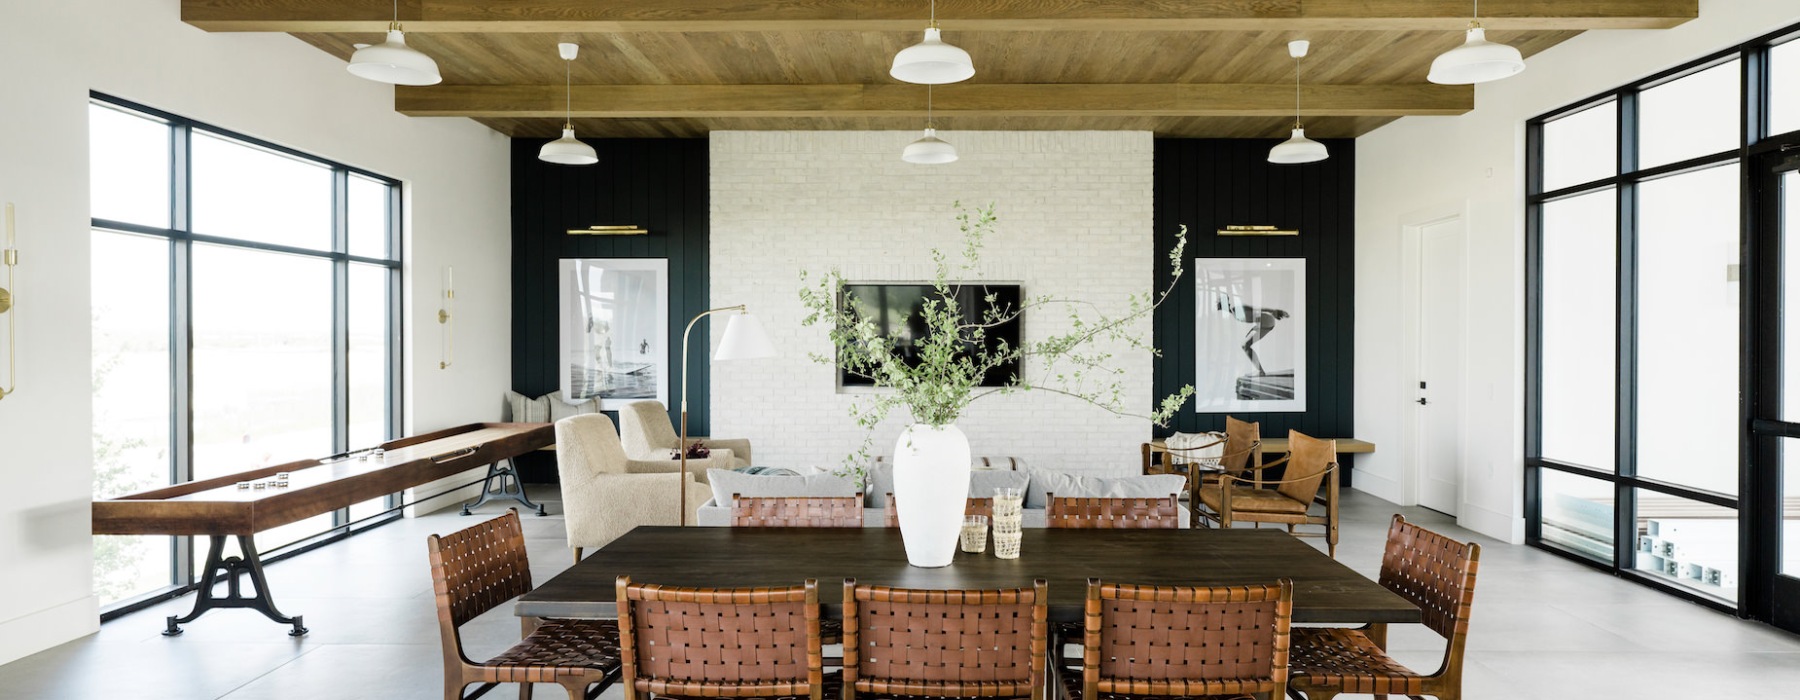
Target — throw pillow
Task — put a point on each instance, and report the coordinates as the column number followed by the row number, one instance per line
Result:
column 560, row 409
column 523, row 409
column 1187, row 447
column 767, row 471
column 726, row 482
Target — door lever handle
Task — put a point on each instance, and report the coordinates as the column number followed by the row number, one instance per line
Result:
column 1422, row 401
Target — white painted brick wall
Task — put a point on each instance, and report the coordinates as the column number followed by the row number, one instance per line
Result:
column 1074, row 213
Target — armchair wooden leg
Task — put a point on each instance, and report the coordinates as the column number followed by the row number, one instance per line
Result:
column 577, row 688
column 578, row 555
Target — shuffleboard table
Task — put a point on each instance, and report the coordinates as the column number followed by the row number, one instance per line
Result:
column 218, row 508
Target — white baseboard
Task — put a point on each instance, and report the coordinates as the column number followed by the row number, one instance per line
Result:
column 1493, row 523
column 29, row 634
column 1378, row 485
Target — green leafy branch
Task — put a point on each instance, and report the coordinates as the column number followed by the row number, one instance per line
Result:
column 954, row 354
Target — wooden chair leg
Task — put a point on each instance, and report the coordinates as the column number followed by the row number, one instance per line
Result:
column 578, row 555
column 525, row 691
column 577, row 688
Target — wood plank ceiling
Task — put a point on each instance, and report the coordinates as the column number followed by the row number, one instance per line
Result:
column 674, row 68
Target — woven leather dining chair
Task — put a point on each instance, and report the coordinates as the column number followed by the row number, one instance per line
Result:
column 1113, row 513
column 796, row 511
column 1242, row 499
column 976, row 506
column 1432, row 571
column 1159, row 641
column 476, row 569
column 722, row 642
column 945, row 643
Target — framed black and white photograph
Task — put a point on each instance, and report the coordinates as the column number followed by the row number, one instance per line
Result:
column 615, row 327
column 1250, row 335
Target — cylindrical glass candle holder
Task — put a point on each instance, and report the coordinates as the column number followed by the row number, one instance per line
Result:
column 974, row 533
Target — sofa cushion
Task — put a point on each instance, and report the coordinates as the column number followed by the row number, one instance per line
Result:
column 1061, row 484
column 726, row 482
column 982, row 482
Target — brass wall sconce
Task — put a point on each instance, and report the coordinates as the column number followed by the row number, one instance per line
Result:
column 610, row 230
column 1257, row 231
column 10, row 257
column 448, row 335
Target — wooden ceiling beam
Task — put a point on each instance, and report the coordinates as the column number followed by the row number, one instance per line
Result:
column 1009, row 100
column 586, row 16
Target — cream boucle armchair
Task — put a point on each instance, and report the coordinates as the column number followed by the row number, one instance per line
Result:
column 648, row 435
column 605, row 494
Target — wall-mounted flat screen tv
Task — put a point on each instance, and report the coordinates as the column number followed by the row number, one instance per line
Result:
column 897, row 309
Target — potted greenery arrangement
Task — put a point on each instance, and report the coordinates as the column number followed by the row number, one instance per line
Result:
column 944, row 376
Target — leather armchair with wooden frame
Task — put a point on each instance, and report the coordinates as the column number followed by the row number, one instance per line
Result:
column 1245, row 497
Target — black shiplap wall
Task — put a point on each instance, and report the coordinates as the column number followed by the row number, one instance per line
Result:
column 1211, row 183
column 659, row 184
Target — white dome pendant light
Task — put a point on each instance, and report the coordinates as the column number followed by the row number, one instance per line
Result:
column 568, row 150
column 929, row 149
column 1477, row 60
column 1298, row 148
column 931, row 61
column 393, row 61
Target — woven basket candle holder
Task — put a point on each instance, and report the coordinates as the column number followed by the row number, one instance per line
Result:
column 974, row 533
column 1006, row 544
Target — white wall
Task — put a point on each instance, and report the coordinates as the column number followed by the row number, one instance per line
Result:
column 1074, row 214
column 269, row 86
column 1475, row 163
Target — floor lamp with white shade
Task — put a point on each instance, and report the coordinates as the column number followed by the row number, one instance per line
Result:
column 744, row 340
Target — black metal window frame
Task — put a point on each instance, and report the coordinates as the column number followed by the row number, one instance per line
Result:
column 1757, row 539
column 181, row 237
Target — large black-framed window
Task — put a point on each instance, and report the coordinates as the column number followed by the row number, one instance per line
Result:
column 246, row 312
column 1644, row 378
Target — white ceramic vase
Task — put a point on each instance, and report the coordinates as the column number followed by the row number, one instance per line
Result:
column 931, row 489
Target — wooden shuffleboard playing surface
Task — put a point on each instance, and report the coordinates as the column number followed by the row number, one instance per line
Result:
column 217, row 508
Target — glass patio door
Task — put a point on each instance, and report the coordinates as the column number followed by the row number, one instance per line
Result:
column 1776, row 507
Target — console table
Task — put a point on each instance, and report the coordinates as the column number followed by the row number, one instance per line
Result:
column 219, row 508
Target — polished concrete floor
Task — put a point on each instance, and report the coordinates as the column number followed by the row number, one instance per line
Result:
column 1542, row 628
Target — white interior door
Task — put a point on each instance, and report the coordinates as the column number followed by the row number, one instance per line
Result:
column 1441, row 352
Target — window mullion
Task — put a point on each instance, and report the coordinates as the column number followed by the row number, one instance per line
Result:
column 181, row 377
column 1625, row 414
column 340, row 322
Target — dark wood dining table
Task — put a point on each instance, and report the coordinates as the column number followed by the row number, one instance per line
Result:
column 1325, row 591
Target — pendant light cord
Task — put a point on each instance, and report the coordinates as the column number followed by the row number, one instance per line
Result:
column 395, row 25
column 1297, row 92
column 568, row 97
column 928, row 123
column 933, row 13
